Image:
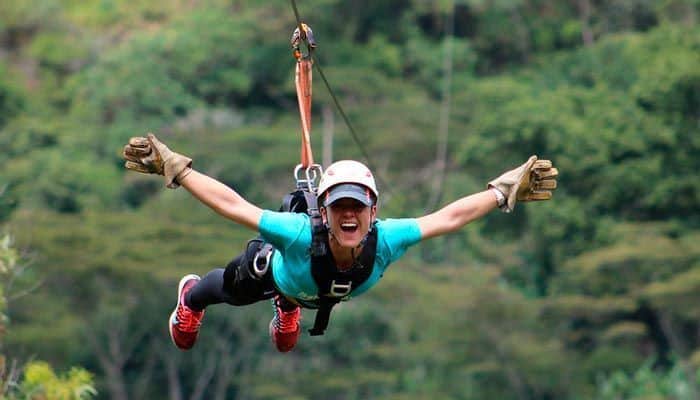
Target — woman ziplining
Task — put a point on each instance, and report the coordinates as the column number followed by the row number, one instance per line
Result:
column 330, row 249
column 348, row 206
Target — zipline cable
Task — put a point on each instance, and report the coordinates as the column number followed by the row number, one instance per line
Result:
column 353, row 133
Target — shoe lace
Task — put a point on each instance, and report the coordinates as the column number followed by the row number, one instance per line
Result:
column 188, row 319
column 286, row 321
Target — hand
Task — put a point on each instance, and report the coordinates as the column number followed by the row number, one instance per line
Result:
column 532, row 181
column 149, row 156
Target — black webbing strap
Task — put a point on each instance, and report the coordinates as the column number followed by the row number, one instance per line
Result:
column 334, row 285
column 323, row 314
column 295, row 202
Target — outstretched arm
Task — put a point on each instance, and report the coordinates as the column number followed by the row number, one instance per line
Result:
column 534, row 180
column 222, row 199
column 149, row 155
column 457, row 214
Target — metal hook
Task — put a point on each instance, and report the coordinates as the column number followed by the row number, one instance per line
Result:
column 308, row 180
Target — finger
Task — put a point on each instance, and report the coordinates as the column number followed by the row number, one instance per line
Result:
column 137, row 167
column 542, row 164
column 132, row 158
column 138, row 141
column 530, row 162
column 550, row 173
column 137, row 151
column 153, row 139
column 126, row 153
column 129, row 155
column 539, row 195
column 547, row 184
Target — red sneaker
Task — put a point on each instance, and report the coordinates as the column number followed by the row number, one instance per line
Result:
column 185, row 322
column 284, row 327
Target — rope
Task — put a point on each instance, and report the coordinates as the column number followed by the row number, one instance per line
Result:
column 353, row 133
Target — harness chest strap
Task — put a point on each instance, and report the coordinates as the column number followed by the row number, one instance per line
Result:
column 333, row 284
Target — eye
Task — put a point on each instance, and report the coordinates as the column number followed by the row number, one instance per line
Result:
column 348, row 204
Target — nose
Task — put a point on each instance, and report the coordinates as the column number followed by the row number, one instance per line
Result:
column 348, row 211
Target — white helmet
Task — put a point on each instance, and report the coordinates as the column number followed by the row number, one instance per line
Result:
column 347, row 171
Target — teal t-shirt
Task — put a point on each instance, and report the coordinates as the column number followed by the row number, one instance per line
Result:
column 290, row 233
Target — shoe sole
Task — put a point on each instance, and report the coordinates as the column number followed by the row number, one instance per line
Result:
column 184, row 280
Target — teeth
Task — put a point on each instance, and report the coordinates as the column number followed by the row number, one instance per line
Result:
column 348, row 225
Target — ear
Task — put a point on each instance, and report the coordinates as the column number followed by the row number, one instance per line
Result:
column 372, row 214
column 324, row 216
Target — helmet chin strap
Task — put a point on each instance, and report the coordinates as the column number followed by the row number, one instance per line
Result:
column 330, row 231
column 362, row 243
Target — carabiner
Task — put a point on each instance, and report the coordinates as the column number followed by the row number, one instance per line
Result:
column 307, row 36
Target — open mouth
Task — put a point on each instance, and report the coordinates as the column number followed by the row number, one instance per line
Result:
column 349, row 227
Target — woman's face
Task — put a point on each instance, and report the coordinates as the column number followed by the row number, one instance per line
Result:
column 349, row 221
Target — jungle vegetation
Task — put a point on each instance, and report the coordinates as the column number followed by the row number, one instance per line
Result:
column 593, row 295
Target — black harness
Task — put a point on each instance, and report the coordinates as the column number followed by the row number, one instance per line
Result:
column 333, row 284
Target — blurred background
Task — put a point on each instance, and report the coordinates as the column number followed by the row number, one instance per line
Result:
column 594, row 295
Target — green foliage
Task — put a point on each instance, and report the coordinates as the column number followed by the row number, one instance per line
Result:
column 58, row 51
column 19, row 19
column 70, row 186
column 564, row 299
column 630, row 262
column 41, row 382
column 647, row 383
column 425, row 60
column 11, row 99
column 8, row 263
column 113, row 111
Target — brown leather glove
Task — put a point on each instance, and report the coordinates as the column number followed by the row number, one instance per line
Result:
column 532, row 181
column 149, row 156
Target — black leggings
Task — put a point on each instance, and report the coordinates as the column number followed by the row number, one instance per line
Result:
column 234, row 285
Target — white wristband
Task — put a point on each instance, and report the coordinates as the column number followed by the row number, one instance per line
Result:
column 500, row 198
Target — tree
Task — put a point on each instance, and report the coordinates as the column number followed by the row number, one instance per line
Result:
column 39, row 381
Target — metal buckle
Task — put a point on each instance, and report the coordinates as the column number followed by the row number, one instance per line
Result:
column 340, row 289
column 261, row 270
